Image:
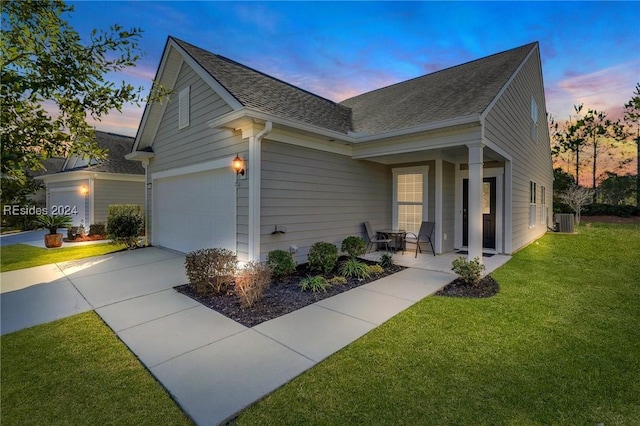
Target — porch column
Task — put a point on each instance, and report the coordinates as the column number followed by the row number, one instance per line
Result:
column 475, row 201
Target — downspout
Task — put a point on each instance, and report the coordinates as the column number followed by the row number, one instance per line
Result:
column 255, row 161
column 145, row 165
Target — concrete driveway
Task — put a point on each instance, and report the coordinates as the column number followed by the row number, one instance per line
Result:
column 23, row 237
column 45, row 293
column 184, row 344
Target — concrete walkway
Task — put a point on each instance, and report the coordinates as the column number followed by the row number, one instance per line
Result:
column 212, row 366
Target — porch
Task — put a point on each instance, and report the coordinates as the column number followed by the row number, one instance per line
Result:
column 440, row 263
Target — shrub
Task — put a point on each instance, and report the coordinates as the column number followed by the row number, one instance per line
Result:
column 375, row 270
column 353, row 246
column 354, row 268
column 52, row 223
column 125, row 223
column 386, row 260
column 76, row 231
column 338, row 280
column 468, row 271
column 314, row 283
column 251, row 282
column 323, row 257
column 609, row 210
column 98, row 228
column 210, row 268
column 281, row 262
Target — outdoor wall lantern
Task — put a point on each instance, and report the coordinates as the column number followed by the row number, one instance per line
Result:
column 84, row 190
column 238, row 166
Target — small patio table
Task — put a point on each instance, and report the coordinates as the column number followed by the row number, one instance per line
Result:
column 397, row 235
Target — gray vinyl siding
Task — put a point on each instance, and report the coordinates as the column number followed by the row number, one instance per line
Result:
column 319, row 196
column 448, row 205
column 508, row 125
column 197, row 143
column 107, row 192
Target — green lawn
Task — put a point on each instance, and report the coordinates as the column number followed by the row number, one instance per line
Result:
column 75, row 371
column 560, row 344
column 21, row 256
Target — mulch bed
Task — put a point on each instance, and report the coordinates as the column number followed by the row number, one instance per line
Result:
column 85, row 238
column 282, row 297
column 457, row 288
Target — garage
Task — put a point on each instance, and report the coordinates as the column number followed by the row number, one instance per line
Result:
column 68, row 201
column 195, row 210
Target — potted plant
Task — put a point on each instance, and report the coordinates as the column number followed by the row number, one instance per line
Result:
column 52, row 223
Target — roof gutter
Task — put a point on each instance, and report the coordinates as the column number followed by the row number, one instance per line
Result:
column 232, row 120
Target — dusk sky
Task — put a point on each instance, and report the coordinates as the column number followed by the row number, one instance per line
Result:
column 590, row 50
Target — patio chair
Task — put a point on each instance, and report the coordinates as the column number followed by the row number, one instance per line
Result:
column 374, row 238
column 425, row 234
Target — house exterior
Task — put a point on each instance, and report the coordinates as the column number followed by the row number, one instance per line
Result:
column 84, row 188
column 466, row 147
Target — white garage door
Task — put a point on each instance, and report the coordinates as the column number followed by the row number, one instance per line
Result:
column 68, row 202
column 195, row 211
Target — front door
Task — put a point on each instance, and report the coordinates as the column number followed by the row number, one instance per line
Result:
column 488, row 212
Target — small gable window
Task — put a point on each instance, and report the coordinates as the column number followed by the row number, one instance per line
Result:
column 534, row 119
column 183, row 107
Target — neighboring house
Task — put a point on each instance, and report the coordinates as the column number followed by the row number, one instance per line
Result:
column 51, row 165
column 466, row 147
column 84, row 188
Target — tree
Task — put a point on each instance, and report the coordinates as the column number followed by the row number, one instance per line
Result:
column 577, row 197
column 597, row 129
column 571, row 138
column 616, row 189
column 46, row 65
column 632, row 119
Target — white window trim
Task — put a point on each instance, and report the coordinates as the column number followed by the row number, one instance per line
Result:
column 543, row 205
column 533, row 131
column 425, row 191
column 533, row 204
column 184, row 107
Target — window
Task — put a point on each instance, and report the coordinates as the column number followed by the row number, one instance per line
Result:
column 409, row 201
column 82, row 162
column 183, row 108
column 532, row 204
column 543, row 205
column 534, row 119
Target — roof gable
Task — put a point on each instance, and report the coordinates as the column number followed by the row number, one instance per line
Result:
column 460, row 91
column 118, row 146
column 258, row 91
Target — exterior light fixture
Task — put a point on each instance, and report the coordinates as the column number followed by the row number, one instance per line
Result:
column 84, row 190
column 238, row 166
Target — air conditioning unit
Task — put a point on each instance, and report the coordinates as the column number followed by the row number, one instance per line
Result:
column 564, row 222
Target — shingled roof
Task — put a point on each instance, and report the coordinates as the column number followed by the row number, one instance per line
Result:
column 262, row 92
column 118, row 146
column 455, row 92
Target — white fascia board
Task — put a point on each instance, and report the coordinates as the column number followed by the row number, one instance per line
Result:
column 506, row 86
column 139, row 155
column 203, row 74
column 86, row 174
column 237, row 119
column 149, row 106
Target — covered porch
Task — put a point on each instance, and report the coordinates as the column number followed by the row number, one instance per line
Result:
column 455, row 178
